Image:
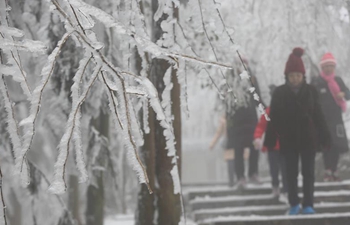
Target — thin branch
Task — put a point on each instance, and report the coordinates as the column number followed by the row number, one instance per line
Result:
column 19, row 63
column 14, row 136
column 117, row 73
column 41, row 90
column 239, row 55
column 76, row 18
column 2, row 198
column 131, row 139
column 110, row 90
column 141, row 40
column 212, row 48
column 82, row 99
column 87, row 63
column 194, row 52
column 206, row 32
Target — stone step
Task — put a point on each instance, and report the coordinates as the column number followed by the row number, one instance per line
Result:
column 265, row 188
column 236, row 201
column 316, row 219
column 217, row 184
column 266, row 210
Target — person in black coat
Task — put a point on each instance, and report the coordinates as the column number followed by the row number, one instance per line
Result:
column 241, row 120
column 333, row 94
column 298, row 122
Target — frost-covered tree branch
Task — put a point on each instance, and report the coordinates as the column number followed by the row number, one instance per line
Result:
column 79, row 19
column 2, row 198
column 29, row 123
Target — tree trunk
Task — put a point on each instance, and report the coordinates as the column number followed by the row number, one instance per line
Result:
column 169, row 204
column 95, row 199
column 154, row 151
column 146, row 204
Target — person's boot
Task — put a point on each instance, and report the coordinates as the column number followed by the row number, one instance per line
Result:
column 328, row 176
column 276, row 192
column 335, row 176
column 294, row 210
column 308, row 210
column 254, row 179
column 242, row 183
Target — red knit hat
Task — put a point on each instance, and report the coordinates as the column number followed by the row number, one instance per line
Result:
column 295, row 63
column 328, row 58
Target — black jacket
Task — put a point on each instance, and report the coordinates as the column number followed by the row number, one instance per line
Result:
column 297, row 120
column 241, row 122
column 333, row 113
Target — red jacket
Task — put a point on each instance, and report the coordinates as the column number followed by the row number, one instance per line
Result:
column 261, row 128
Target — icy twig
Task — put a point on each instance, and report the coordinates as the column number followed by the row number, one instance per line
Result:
column 112, row 96
column 213, row 49
column 240, row 57
column 2, row 198
column 60, row 166
column 152, row 48
column 115, row 71
column 25, row 86
column 29, row 122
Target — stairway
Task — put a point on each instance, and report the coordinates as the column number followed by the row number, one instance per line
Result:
column 255, row 205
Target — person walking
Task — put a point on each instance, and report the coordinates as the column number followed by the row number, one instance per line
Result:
column 276, row 160
column 333, row 95
column 299, row 124
column 241, row 120
column 229, row 154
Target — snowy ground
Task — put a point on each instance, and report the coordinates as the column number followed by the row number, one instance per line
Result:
column 120, row 220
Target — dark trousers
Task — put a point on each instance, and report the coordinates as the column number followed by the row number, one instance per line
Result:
column 331, row 159
column 239, row 161
column 231, row 172
column 277, row 165
column 308, row 172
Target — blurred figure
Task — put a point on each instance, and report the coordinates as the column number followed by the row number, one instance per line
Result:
column 276, row 159
column 333, row 93
column 241, row 119
column 229, row 153
column 298, row 122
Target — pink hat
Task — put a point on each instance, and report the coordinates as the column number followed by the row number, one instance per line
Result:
column 328, row 58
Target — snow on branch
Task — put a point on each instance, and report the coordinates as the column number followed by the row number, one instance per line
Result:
column 76, row 127
column 143, row 42
column 245, row 74
column 14, row 32
column 160, row 115
column 7, row 44
column 12, row 126
column 224, row 77
column 129, row 130
column 58, row 186
column 182, row 79
column 124, row 108
column 113, row 104
column 26, row 45
column 29, row 122
column 7, row 70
